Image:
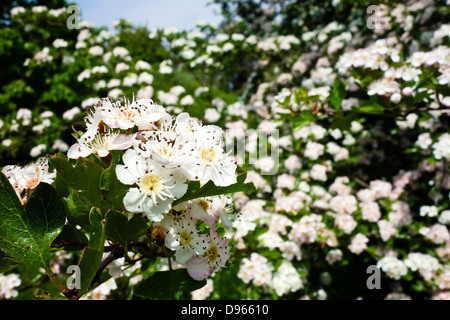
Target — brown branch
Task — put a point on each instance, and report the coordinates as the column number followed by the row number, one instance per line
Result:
column 116, row 253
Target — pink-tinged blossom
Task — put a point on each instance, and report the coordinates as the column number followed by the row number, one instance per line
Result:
column 210, row 209
column 142, row 113
column 386, row 229
column 215, row 256
column 358, row 243
column 26, row 178
column 370, row 211
column 101, row 144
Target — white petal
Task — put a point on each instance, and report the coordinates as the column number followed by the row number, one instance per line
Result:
column 135, row 163
column 198, row 268
column 133, row 200
column 78, row 151
column 122, row 142
column 103, row 152
column 183, row 254
column 224, row 175
column 156, row 217
column 124, row 124
column 171, row 240
column 157, row 209
column 125, row 176
column 196, row 211
column 190, row 168
column 180, row 186
column 226, row 220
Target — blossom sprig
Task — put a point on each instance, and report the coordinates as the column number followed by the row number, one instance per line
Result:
column 24, row 179
column 161, row 155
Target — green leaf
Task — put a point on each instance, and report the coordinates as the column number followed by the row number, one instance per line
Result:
column 337, row 94
column 7, row 263
column 210, row 189
column 343, row 123
column 26, row 234
column 370, row 108
column 42, row 294
column 78, row 208
column 116, row 156
column 121, row 230
column 72, row 235
column 166, row 285
column 79, row 184
column 113, row 189
column 91, row 256
column 305, row 118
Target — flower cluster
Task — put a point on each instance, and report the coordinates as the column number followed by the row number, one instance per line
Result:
column 7, row 285
column 25, row 179
column 161, row 155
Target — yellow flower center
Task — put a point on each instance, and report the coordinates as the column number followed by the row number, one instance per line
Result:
column 32, row 183
column 208, row 155
column 127, row 114
column 185, row 238
column 165, row 152
column 212, row 253
column 151, row 183
column 203, row 204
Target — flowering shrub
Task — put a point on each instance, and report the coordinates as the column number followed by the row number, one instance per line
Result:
column 339, row 119
column 141, row 179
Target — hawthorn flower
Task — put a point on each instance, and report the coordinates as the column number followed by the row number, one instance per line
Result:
column 93, row 121
column 421, row 261
column 286, row 279
column 393, row 267
column 184, row 239
column 441, row 147
column 27, row 178
column 215, row 256
column 210, row 209
column 358, row 243
column 7, row 285
column 162, row 146
column 155, row 187
column 257, row 269
column 101, row 144
column 205, row 158
column 430, row 211
column 143, row 113
column 387, row 229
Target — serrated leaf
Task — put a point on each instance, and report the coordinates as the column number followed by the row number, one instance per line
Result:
column 26, row 234
column 165, row 285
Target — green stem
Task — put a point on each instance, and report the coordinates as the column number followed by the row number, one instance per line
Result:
column 164, row 249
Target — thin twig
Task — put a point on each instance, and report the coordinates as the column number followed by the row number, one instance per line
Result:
column 116, row 253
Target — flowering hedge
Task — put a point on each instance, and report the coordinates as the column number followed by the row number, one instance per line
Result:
column 338, row 116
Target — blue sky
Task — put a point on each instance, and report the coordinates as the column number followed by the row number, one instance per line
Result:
column 182, row 14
